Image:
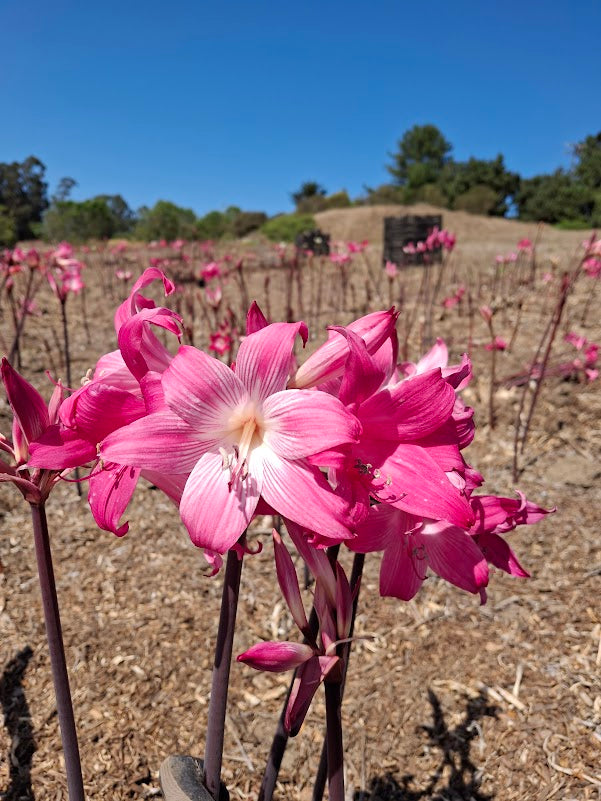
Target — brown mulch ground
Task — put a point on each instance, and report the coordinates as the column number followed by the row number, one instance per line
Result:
column 445, row 699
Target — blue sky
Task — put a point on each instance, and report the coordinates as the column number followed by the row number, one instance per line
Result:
column 212, row 104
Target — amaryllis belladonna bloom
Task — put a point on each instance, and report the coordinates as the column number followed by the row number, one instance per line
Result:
column 242, row 436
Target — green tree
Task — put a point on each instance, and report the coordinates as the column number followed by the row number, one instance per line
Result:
column 588, row 161
column 309, row 194
column 212, row 226
column 23, row 192
column 165, row 220
column 555, row 197
column 422, row 153
column 460, row 177
column 286, row 227
column 478, row 199
column 64, row 189
column 8, row 233
column 100, row 217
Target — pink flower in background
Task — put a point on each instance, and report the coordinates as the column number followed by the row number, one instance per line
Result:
column 357, row 247
column 497, row 344
column 65, row 275
column 123, row 275
column 209, row 271
column 63, row 251
column 340, row 258
column 547, row 278
column 486, row 313
column 574, row 339
column 453, row 300
column 525, row 245
column 213, row 296
column 592, row 267
column 391, row 269
column 221, row 342
column 241, row 436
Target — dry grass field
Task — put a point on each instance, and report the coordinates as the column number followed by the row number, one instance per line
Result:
column 445, row 699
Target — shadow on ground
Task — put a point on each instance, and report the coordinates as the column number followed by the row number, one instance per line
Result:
column 456, row 778
column 18, row 724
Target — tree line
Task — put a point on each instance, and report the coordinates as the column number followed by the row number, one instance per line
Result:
column 422, row 169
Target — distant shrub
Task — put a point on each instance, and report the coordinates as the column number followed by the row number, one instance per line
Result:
column 286, row 227
column 245, row 222
column 432, row 194
column 479, row 199
column 573, row 225
column 338, row 200
column 212, row 226
column 384, row 194
column 8, row 229
column 165, row 220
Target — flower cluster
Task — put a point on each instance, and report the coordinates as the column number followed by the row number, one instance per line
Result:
column 350, row 448
column 436, row 240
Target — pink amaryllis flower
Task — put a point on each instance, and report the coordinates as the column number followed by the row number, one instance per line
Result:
column 498, row 343
column 496, row 516
column 457, row 554
column 31, row 418
column 242, row 436
column 125, row 387
column 412, row 544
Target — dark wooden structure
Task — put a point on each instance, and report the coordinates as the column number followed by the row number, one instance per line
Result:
column 315, row 241
column 402, row 231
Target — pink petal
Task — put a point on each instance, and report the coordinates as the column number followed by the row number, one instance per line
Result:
column 264, row 358
column 161, row 441
column 497, row 551
column 59, row 448
column 202, row 391
column 437, row 356
column 299, row 492
column 255, row 319
column 276, row 657
column 443, row 446
column 214, row 512
column 409, row 410
column 417, row 484
column 401, row 572
column 383, row 525
column 111, row 369
column 97, row 409
column 171, row 484
column 362, row 376
column 308, row 678
column 288, row 581
column 316, row 559
column 135, row 301
column 344, row 603
column 329, row 360
column 301, row 423
column 29, row 408
column 453, row 554
column 110, row 491
column 141, row 350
